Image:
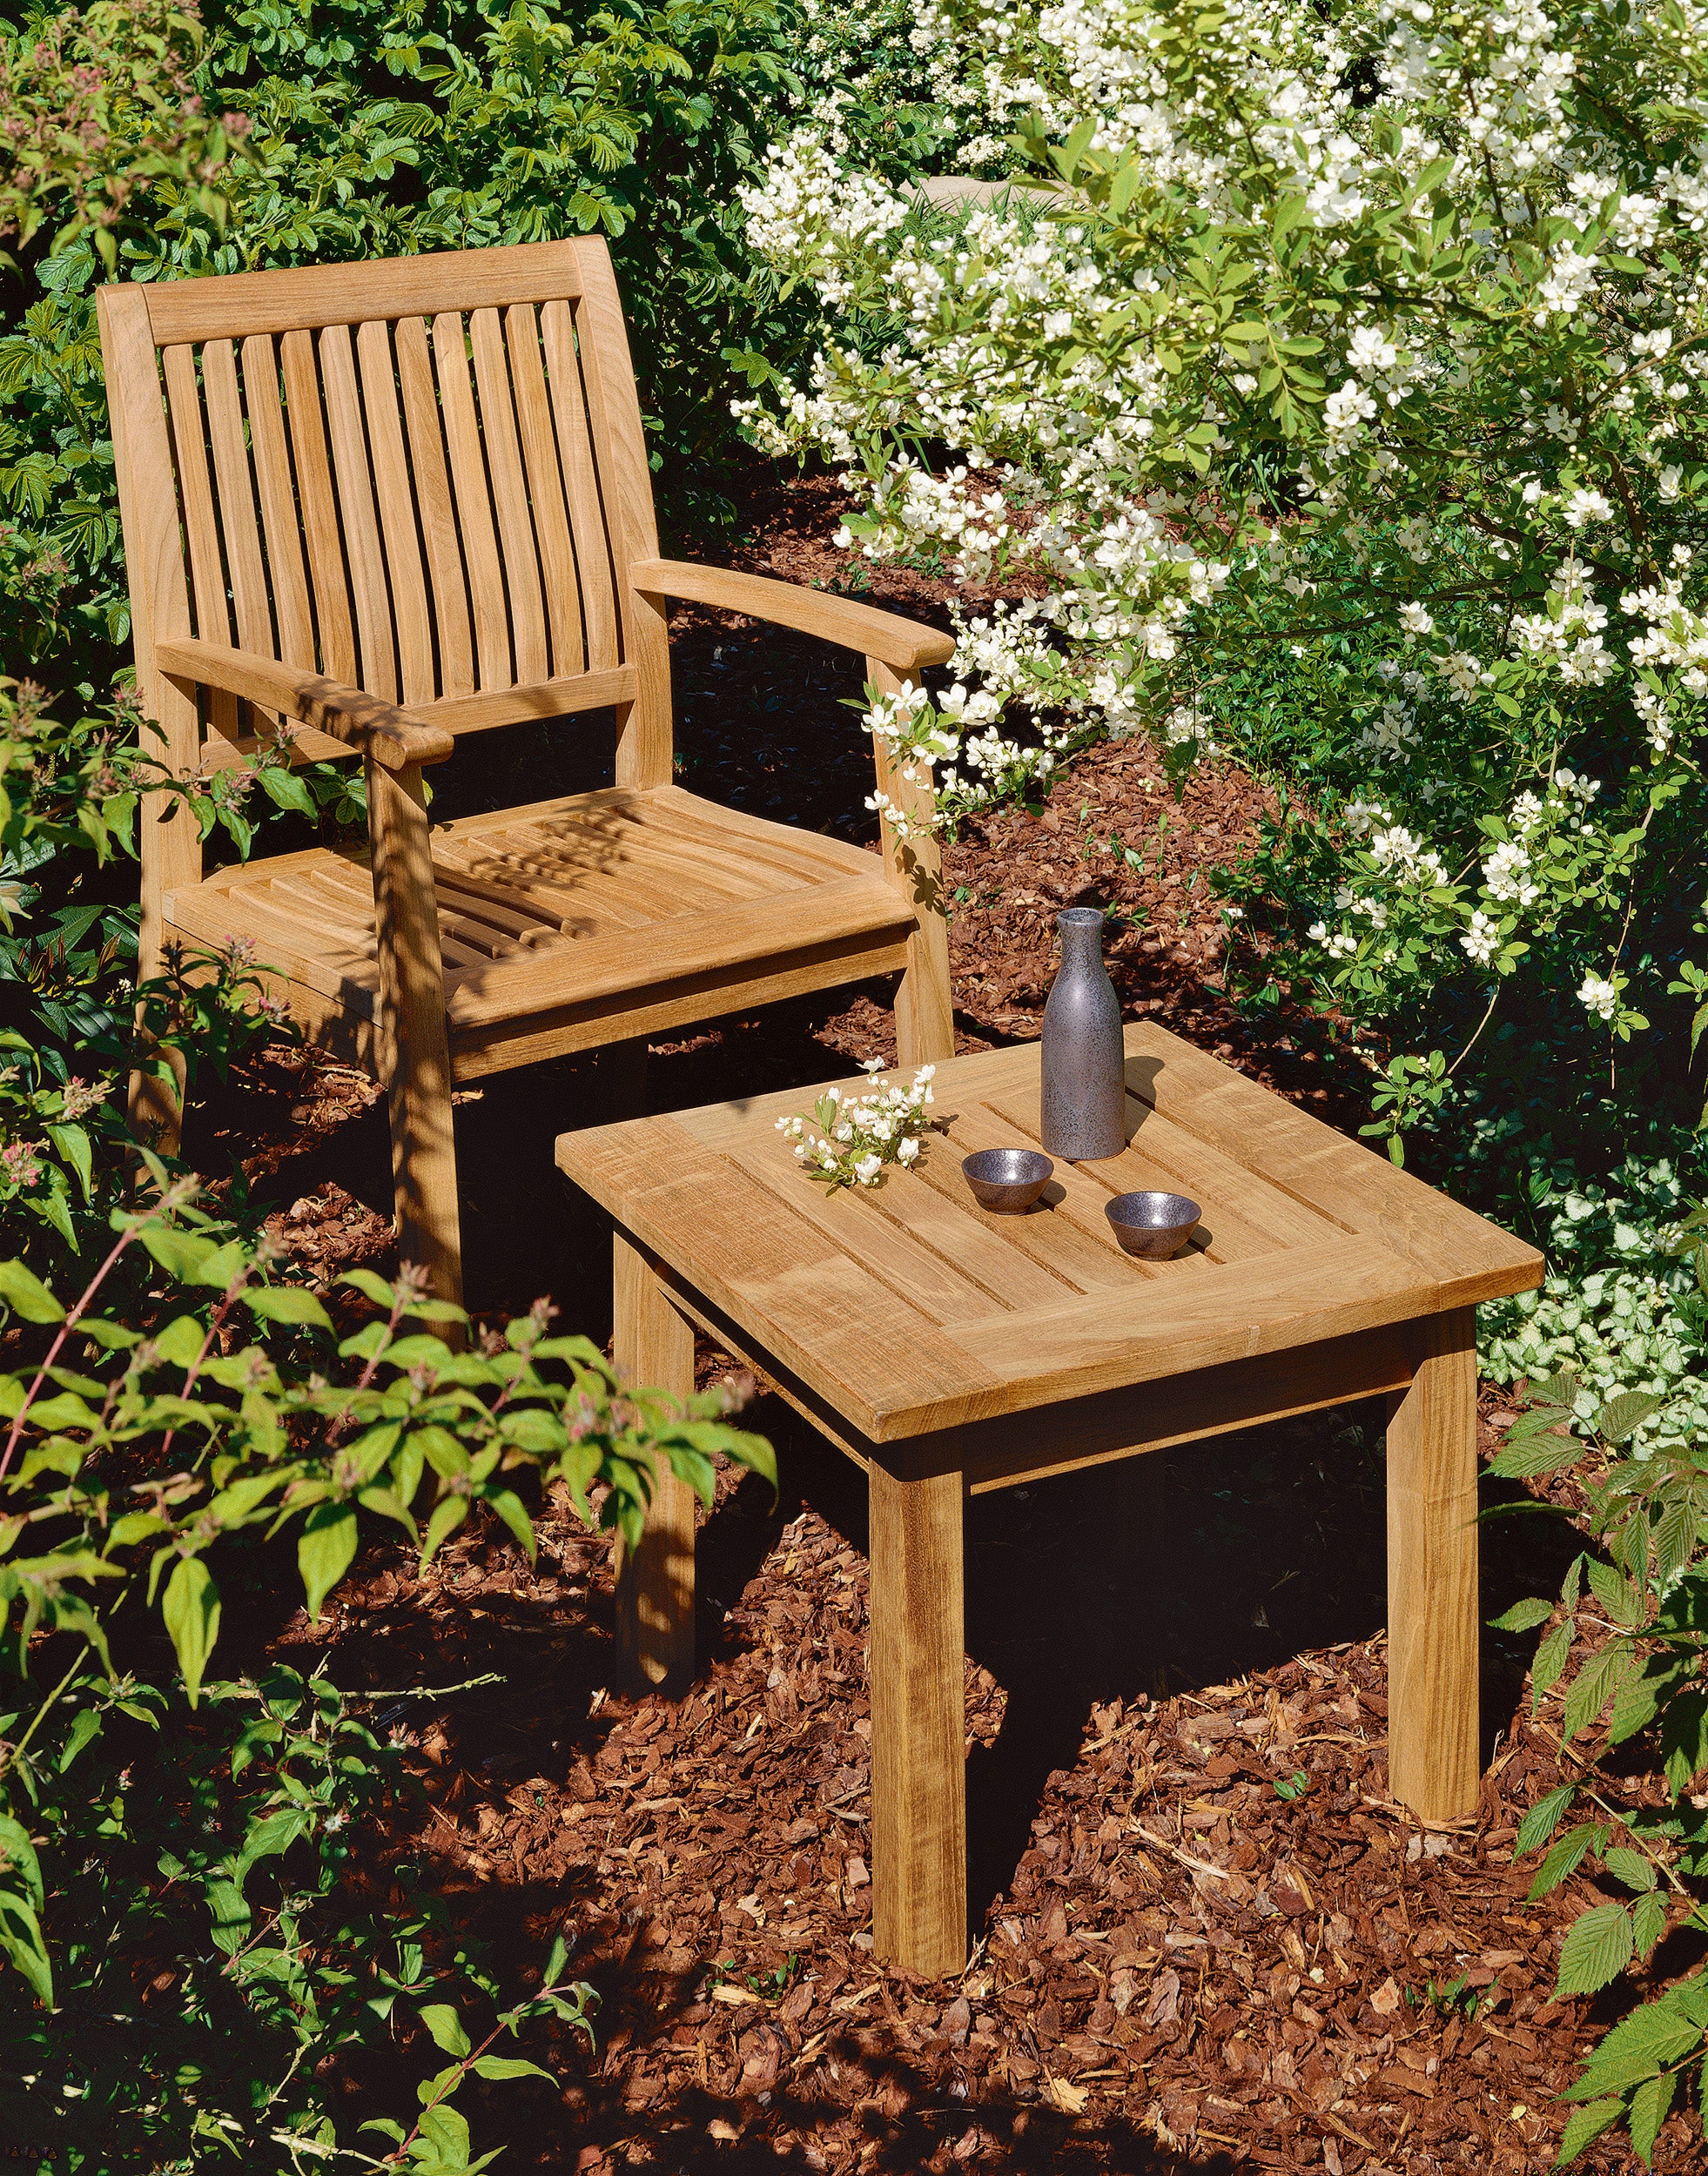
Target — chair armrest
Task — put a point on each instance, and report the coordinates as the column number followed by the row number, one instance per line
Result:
column 381, row 729
column 885, row 635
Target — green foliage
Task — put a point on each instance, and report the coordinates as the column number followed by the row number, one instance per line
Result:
column 131, row 1469
column 1644, row 1590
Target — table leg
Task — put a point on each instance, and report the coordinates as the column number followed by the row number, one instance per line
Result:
column 654, row 1348
column 919, row 1721
column 1432, row 1609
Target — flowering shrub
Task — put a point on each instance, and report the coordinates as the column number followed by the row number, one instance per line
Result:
column 859, row 1135
column 1390, row 325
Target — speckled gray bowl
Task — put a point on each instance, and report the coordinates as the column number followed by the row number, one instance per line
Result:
column 1152, row 1225
column 1006, row 1181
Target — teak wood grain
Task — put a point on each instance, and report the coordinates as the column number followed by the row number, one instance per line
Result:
column 950, row 1352
column 369, row 509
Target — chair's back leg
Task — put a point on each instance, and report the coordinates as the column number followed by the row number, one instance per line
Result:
column 414, row 1048
column 924, row 1006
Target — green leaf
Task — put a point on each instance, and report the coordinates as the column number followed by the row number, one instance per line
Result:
column 191, row 1608
column 180, row 1253
column 286, row 1303
column 1540, row 1823
column 1649, row 1920
column 1617, row 1594
column 1595, row 1684
column 1565, row 1858
column 508, row 2066
column 325, row 1550
column 510, row 1508
column 1522, row 1615
column 230, row 1914
column 1630, row 1867
column 1598, row 1946
column 1585, row 2124
column 449, row 1514
column 370, row 1286
column 181, row 1342
column 1551, row 1660
column 1622, row 1416
column 441, row 2021
column 25, row 1294
column 1649, row 2106
column 21, row 1940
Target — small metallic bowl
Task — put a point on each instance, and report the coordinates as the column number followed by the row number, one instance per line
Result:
column 1152, row 1225
column 1006, row 1181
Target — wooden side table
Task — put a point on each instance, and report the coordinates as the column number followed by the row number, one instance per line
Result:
column 948, row 1350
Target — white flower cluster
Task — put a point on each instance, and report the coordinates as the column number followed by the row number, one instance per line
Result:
column 857, row 1136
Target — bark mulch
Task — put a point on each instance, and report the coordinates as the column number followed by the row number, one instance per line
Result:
column 1207, row 1939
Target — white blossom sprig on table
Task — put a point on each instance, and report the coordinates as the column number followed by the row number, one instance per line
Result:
column 857, row 1136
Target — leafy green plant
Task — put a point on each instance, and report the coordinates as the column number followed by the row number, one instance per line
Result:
column 134, row 1463
column 1646, row 1600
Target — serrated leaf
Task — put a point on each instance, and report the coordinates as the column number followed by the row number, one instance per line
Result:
column 1585, row 2124
column 1630, row 1867
column 1522, row 1615
column 1649, row 1920
column 1551, row 1660
column 1622, row 1416
column 1615, row 1594
column 1600, row 1945
column 1564, row 1857
column 1649, row 2107
column 1540, row 1823
column 1595, row 1685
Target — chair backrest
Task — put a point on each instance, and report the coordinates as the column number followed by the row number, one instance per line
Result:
column 425, row 478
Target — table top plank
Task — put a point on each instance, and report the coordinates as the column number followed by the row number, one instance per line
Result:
column 909, row 1309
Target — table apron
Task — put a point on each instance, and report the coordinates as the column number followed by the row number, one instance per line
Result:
column 1015, row 1448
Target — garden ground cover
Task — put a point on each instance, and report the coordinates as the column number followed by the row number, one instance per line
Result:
column 1180, row 1965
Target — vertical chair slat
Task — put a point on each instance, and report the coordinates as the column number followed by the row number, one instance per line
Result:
column 397, row 511
column 278, row 504
column 551, row 521
column 378, row 667
column 320, row 507
column 201, row 523
column 433, row 502
column 239, row 522
column 593, row 551
column 468, row 478
column 509, row 492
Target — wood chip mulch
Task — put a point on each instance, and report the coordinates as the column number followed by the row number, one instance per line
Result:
column 1207, row 1937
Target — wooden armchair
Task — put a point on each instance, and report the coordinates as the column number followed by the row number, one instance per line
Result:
column 374, row 507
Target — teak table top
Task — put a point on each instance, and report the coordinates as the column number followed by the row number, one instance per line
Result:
column 909, row 1309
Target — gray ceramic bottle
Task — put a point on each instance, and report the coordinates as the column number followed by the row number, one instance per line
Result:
column 1083, row 1103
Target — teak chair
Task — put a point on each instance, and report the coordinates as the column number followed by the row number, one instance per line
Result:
column 341, row 532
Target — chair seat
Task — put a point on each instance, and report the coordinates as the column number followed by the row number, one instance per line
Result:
column 650, row 908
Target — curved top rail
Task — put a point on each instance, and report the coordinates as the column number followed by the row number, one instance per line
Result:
column 239, row 305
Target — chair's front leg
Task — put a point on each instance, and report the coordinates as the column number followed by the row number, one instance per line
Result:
column 924, row 1007
column 414, row 1050
column 653, row 1346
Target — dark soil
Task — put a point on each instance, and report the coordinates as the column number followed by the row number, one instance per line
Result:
column 1206, row 1935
